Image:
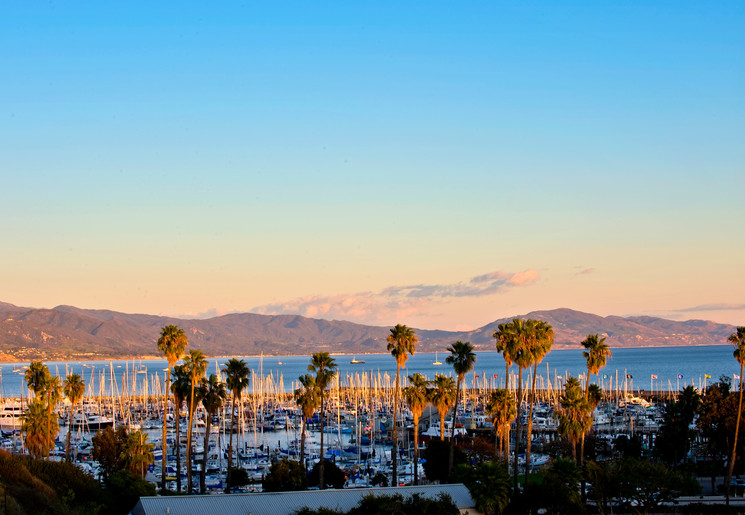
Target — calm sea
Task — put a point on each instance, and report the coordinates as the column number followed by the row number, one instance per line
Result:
column 674, row 368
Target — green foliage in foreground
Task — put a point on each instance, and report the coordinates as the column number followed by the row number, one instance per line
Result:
column 35, row 486
column 489, row 484
column 285, row 475
column 394, row 504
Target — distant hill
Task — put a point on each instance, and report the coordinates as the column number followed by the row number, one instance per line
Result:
column 69, row 333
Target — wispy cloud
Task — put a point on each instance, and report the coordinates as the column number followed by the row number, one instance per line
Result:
column 586, row 271
column 713, row 307
column 396, row 302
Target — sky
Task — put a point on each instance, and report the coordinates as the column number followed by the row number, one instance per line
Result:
column 436, row 164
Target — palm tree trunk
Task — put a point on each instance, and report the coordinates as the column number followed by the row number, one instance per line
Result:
column 582, row 439
column 394, row 450
column 452, row 430
column 178, row 448
column 302, row 445
column 441, row 412
column 230, row 445
column 190, row 487
column 320, row 465
column 737, row 431
column 69, row 431
column 416, row 451
column 517, row 425
column 203, row 473
column 574, row 450
column 530, row 425
column 164, row 446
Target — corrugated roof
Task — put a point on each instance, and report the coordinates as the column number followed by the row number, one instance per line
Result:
column 288, row 502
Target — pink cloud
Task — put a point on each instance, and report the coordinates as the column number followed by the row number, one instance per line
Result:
column 397, row 302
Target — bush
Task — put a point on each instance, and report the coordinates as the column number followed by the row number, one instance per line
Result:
column 124, row 489
column 285, row 475
column 238, row 477
column 333, row 476
column 437, row 460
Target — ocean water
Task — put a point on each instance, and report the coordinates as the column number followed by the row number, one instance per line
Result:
column 674, row 368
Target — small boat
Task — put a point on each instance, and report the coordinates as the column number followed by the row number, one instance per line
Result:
column 436, row 361
column 356, row 361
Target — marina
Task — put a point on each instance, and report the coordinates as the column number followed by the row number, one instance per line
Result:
column 358, row 429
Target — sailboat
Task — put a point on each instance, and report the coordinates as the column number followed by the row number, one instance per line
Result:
column 436, row 361
column 356, row 361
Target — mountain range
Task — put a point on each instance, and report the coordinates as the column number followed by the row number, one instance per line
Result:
column 70, row 333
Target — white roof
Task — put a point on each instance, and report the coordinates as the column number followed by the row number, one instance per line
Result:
column 289, row 502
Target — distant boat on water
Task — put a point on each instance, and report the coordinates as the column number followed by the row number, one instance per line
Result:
column 436, row 361
column 356, row 361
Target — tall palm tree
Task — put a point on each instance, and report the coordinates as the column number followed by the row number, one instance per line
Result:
column 416, row 396
column 325, row 368
column 74, row 389
column 237, row 379
column 137, row 453
column 39, row 432
column 462, row 358
column 508, row 342
column 738, row 341
column 401, row 342
column 308, row 400
column 36, row 376
column 213, row 394
column 180, row 389
column 517, row 341
column 574, row 413
column 596, row 353
column 53, row 394
column 501, row 407
column 442, row 395
column 172, row 343
column 540, row 339
column 196, row 366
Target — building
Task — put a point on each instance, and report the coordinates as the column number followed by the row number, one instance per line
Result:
column 289, row 502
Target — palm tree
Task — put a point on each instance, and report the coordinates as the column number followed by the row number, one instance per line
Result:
column 180, row 388
column 520, row 347
column 325, row 368
column 463, row 359
column 738, row 341
column 172, row 343
column 540, row 339
column 416, row 396
column 401, row 342
column 53, row 394
column 501, row 408
column 137, row 453
column 308, row 400
column 37, row 375
column 508, row 342
column 74, row 388
column 442, row 395
column 196, row 366
column 237, row 379
column 596, row 353
column 574, row 413
column 213, row 394
column 39, row 430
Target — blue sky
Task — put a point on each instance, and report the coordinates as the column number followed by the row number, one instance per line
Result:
column 313, row 157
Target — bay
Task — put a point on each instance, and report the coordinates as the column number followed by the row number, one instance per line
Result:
column 281, row 372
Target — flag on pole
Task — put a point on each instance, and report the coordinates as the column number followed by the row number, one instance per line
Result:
column 737, row 376
column 629, row 376
column 707, row 376
column 654, row 376
column 680, row 376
